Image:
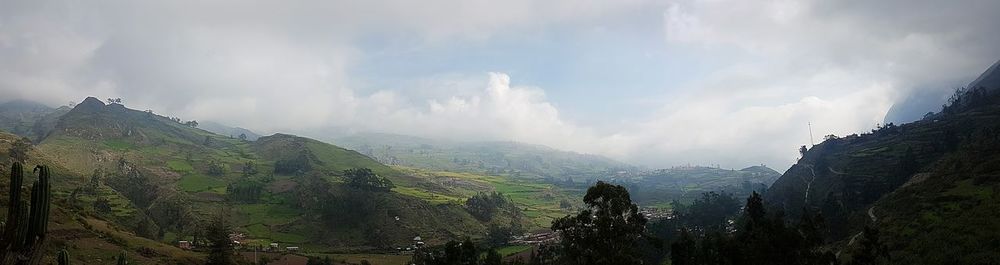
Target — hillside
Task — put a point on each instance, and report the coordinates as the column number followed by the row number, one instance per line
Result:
column 162, row 180
column 495, row 158
column 225, row 130
column 89, row 237
column 659, row 187
column 930, row 185
column 29, row 119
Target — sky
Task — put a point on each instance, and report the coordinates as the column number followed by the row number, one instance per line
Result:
column 653, row 83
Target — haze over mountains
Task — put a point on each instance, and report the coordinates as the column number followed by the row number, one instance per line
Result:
column 519, row 132
column 157, row 177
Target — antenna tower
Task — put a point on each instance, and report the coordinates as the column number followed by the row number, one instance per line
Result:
column 811, row 134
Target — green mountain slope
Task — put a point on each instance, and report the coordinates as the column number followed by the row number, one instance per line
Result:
column 169, row 178
column 29, row 119
column 224, row 130
column 90, row 238
column 660, row 187
column 495, row 158
column 931, row 185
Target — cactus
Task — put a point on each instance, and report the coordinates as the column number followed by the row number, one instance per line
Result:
column 24, row 232
column 39, row 216
column 16, row 179
column 122, row 258
column 21, row 231
column 63, row 257
column 40, row 204
column 14, row 207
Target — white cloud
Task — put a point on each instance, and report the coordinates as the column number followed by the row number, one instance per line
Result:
column 286, row 66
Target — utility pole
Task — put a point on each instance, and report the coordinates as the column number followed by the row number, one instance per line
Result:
column 811, row 134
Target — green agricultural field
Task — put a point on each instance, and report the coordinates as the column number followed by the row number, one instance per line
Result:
column 201, row 183
column 511, row 250
column 180, row 166
column 539, row 201
column 268, row 214
column 118, row 144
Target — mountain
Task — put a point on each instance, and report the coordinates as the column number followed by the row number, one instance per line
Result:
column 496, row 158
column 161, row 181
column 91, row 238
column 225, row 130
column 29, row 119
column 931, row 186
column 659, row 187
column 915, row 105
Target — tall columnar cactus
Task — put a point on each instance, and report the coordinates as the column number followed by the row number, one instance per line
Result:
column 16, row 179
column 21, row 231
column 24, row 232
column 40, row 202
column 122, row 258
column 14, row 206
column 63, row 257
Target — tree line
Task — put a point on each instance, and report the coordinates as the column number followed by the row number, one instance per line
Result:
column 712, row 230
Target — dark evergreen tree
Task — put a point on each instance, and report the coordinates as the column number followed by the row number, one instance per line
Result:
column 366, row 179
column 493, row 258
column 220, row 246
column 683, row 251
column 871, row 250
column 713, row 210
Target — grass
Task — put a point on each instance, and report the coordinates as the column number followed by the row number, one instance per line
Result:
column 260, row 222
column 966, row 188
column 199, row 183
column 511, row 250
column 118, row 144
column 270, row 214
column 180, row 166
column 433, row 198
column 539, row 201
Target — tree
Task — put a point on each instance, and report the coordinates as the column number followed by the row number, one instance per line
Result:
column 802, row 150
column 192, row 124
column 454, row 253
column 760, row 239
column 493, row 258
column 606, row 232
column 216, row 169
column 498, row 236
column 146, row 228
column 871, row 250
column 300, row 164
column 217, row 233
column 102, row 205
column 249, row 169
column 712, row 210
column 365, row 179
column 682, row 252
column 246, row 191
column 484, row 206
column 243, row 136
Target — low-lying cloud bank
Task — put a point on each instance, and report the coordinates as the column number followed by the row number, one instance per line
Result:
column 286, row 67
